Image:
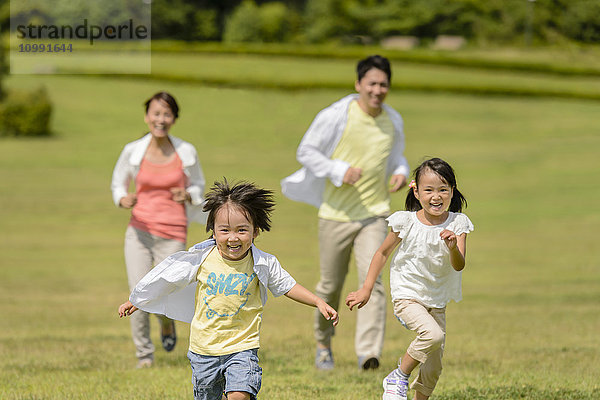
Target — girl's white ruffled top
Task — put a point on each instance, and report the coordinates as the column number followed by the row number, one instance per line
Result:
column 420, row 268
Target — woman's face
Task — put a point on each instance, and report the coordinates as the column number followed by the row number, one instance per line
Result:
column 159, row 118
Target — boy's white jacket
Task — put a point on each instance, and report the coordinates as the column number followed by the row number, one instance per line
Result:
column 318, row 144
column 128, row 166
column 170, row 287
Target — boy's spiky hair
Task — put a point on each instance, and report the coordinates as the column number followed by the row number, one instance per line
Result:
column 256, row 203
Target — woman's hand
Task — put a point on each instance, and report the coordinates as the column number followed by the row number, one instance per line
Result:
column 128, row 201
column 126, row 309
column 180, row 195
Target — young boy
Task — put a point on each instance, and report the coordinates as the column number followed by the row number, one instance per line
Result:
column 219, row 286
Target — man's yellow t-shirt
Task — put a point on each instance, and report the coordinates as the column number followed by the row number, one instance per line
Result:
column 365, row 143
column 229, row 308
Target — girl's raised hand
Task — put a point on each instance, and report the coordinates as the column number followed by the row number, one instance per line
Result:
column 359, row 298
column 126, row 309
column 449, row 237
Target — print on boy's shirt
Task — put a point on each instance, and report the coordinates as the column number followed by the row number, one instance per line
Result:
column 227, row 285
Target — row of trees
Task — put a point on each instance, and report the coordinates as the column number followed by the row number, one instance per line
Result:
column 314, row 21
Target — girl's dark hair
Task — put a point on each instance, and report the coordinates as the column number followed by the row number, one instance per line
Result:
column 256, row 203
column 445, row 171
column 167, row 98
column 375, row 61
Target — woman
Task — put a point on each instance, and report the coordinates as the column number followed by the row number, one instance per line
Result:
column 168, row 195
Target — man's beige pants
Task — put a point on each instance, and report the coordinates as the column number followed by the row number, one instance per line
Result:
column 336, row 241
column 142, row 252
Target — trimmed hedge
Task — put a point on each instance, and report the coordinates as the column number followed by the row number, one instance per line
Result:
column 525, row 63
column 357, row 52
column 474, row 89
column 25, row 113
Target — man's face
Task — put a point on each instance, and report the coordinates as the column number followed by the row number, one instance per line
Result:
column 372, row 89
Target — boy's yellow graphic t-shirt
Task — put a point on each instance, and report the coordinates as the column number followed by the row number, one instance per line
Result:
column 366, row 143
column 228, row 306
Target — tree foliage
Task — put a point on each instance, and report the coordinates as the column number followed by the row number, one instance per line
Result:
column 490, row 21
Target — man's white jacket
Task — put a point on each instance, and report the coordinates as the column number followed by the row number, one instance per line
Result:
column 170, row 287
column 318, row 144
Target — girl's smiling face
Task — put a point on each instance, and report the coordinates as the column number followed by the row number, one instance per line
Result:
column 233, row 232
column 435, row 195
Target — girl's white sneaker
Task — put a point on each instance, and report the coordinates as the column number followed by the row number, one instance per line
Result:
column 394, row 387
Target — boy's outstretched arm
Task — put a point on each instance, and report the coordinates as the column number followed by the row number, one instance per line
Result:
column 361, row 297
column 126, row 309
column 305, row 296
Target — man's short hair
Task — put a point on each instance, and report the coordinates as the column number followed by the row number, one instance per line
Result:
column 374, row 61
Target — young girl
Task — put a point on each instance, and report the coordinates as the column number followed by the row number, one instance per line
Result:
column 425, row 273
column 219, row 286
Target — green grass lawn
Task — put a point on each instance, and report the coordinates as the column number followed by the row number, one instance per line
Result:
column 527, row 327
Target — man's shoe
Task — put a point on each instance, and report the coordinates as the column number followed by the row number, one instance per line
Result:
column 366, row 363
column 395, row 387
column 324, row 359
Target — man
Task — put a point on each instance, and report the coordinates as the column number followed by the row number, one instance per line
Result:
column 349, row 153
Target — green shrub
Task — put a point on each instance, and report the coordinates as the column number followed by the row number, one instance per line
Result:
column 326, row 19
column 580, row 22
column 244, row 24
column 274, row 22
column 270, row 22
column 25, row 113
column 206, row 24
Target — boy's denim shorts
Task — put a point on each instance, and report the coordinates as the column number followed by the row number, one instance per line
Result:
column 214, row 375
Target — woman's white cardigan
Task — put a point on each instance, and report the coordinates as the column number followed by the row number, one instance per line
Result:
column 128, row 166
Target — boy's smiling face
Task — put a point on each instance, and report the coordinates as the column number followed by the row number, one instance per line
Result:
column 233, row 232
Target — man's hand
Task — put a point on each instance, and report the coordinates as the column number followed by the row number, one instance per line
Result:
column 352, row 175
column 397, row 182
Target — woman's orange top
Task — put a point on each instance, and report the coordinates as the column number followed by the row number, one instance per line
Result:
column 155, row 211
